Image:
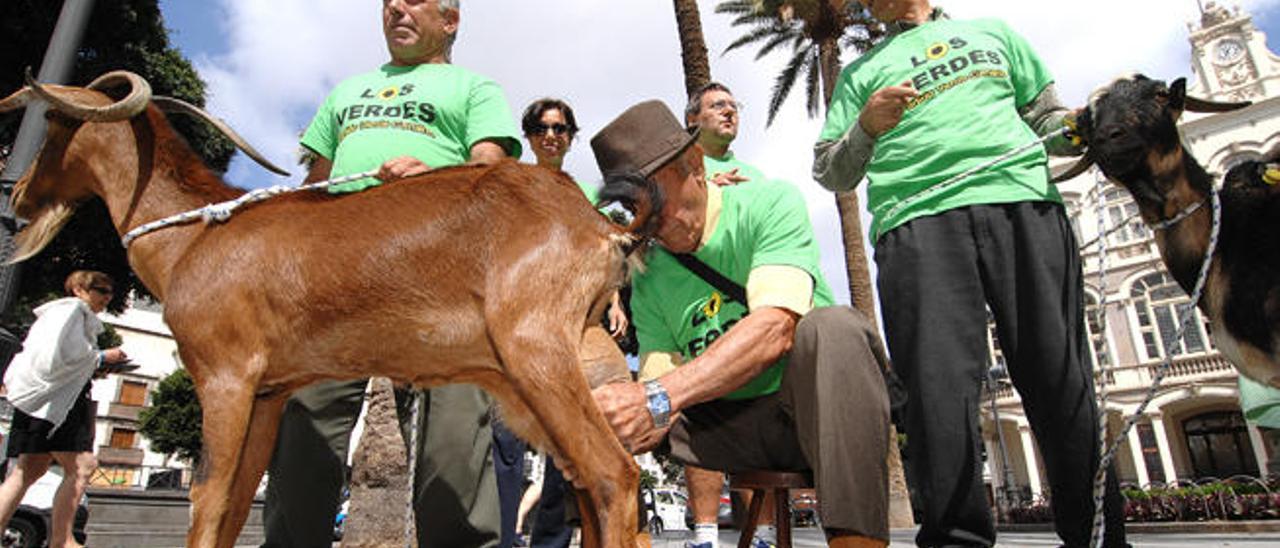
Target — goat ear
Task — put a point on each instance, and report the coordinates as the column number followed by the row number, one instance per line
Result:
column 1177, row 96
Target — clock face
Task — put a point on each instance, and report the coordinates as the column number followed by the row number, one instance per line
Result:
column 1228, row 50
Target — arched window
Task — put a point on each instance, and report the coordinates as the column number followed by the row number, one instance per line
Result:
column 1158, row 302
column 1219, row 446
column 1121, row 214
column 1097, row 334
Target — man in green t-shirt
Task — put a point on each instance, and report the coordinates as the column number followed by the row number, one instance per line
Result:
column 412, row 114
column 933, row 99
column 759, row 370
column 716, row 114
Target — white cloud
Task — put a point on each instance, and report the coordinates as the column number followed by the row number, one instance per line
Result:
column 603, row 56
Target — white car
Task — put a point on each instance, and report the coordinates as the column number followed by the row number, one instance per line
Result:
column 29, row 527
column 666, row 510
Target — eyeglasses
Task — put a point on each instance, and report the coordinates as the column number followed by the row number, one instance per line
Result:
column 725, row 104
column 542, row 129
column 102, row 290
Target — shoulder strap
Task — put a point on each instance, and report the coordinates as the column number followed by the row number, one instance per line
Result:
column 717, row 280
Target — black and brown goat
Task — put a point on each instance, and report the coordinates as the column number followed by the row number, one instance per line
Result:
column 480, row 274
column 1131, row 129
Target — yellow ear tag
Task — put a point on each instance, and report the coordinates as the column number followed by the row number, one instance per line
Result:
column 1072, row 131
column 1271, row 176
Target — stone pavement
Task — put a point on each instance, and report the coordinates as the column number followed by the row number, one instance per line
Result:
column 812, row 538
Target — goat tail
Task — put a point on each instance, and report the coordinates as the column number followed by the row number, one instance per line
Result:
column 640, row 196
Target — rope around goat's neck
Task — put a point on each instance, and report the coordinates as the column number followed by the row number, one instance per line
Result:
column 222, row 211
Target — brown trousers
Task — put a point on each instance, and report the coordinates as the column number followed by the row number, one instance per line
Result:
column 831, row 417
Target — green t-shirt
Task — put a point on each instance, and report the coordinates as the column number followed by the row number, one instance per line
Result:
column 972, row 76
column 591, row 191
column 674, row 310
column 433, row 112
column 727, row 163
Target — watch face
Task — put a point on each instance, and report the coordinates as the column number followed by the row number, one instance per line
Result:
column 1228, row 50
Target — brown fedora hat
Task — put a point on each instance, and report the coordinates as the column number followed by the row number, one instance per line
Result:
column 641, row 140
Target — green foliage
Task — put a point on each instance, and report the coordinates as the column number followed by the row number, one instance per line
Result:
column 173, row 421
column 648, row 480
column 121, row 34
column 773, row 24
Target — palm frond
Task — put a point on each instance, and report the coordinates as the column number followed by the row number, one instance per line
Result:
column 736, row 6
column 813, row 83
column 753, row 36
column 785, row 81
column 778, row 40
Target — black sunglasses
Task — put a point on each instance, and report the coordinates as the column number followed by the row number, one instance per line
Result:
column 542, row 129
column 102, row 290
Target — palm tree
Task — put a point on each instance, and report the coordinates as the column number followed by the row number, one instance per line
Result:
column 693, row 47
column 816, row 30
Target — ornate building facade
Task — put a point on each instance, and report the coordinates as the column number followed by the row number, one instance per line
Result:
column 1193, row 429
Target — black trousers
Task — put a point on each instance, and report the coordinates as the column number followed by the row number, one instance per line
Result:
column 937, row 277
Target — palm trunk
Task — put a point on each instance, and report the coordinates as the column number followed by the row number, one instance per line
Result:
column 860, row 289
column 693, row 47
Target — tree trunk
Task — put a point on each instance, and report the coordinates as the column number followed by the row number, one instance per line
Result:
column 693, row 47
column 860, row 289
column 379, row 476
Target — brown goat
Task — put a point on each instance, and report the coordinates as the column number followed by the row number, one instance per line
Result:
column 481, row 274
column 1132, row 135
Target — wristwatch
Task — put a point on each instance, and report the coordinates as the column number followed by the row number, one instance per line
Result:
column 659, row 403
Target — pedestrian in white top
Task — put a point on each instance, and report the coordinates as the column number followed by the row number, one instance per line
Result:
column 48, row 385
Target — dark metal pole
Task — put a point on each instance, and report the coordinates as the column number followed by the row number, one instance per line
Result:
column 1004, row 496
column 59, row 60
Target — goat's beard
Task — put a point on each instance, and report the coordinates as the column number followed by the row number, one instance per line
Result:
column 41, row 231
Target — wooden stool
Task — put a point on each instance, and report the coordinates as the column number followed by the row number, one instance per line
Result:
column 762, row 482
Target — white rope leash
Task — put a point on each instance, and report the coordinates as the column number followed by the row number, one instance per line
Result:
column 895, row 210
column 222, row 211
column 1099, row 526
column 1100, row 378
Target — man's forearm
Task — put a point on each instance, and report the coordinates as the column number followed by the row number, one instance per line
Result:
column 1044, row 114
column 841, row 164
column 746, row 350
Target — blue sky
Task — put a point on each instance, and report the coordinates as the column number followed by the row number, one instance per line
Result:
column 270, row 64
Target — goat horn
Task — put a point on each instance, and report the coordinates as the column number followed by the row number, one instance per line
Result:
column 1075, row 170
column 130, row 106
column 170, row 104
column 16, row 100
column 1192, row 104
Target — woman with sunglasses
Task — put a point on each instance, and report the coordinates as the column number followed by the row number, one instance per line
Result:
column 48, row 384
column 549, row 126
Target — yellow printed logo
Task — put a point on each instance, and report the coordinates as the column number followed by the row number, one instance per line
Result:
column 713, row 305
column 937, row 51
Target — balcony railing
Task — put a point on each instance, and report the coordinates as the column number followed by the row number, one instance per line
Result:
column 109, row 456
column 123, row 411
column 1193, row 366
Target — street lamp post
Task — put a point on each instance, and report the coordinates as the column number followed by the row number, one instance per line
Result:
column 1006, row 495
column 59, row 60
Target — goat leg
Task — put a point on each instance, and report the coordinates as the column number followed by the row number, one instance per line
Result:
column 227, row 405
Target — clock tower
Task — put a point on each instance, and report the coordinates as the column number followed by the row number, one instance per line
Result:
column 1230, row 57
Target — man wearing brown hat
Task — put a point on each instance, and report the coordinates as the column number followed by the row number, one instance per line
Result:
column 762, row 372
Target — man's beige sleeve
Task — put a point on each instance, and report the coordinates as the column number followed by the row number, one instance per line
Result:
column 657, row 364
column 783, row 286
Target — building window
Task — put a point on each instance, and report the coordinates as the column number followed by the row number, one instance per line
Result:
column 1158, row 302
column 1073, row 215
column 1097, row 335
column 133, row 393
column 1121, row 215
column 123, row 438
column 1151, row 452
column 993, row 344
column 1218, row 443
